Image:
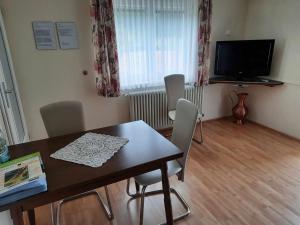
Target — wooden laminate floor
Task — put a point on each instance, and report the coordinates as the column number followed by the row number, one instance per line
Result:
column 240, row 175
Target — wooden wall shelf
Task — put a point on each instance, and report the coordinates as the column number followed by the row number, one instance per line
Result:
column 258, row 81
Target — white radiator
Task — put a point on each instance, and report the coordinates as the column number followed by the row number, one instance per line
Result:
column 151, row 106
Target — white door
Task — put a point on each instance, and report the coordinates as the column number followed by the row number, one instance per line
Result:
column 12, row 121
column 11, row 107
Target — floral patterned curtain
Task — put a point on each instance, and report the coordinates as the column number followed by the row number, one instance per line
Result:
column 105, row 48
column 204, row 14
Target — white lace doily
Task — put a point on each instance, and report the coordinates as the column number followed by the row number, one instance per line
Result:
column 91, row 149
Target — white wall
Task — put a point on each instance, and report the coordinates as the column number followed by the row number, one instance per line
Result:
column 54, row 75
column 49, row 76
column 277, row 107
column 228, row 20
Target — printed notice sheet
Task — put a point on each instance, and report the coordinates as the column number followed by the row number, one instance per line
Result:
column 44, row 35
column 67, row 35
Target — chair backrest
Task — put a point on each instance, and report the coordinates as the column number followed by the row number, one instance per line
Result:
column 174, row 89
column 62, row 118
column 183, row 129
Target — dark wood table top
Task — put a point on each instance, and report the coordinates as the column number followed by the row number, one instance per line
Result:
column 145, row 151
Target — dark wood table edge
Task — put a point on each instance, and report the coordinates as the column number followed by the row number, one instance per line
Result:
column 161, row 164
column 17, row 211
column 93, row 184
column 271, row 83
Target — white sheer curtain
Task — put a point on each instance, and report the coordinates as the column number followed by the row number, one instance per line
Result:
column 155, row 38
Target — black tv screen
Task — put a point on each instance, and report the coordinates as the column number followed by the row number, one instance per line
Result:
column 247, row 58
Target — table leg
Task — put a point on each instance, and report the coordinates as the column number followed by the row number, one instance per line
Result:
column 17, row 216
column 166, row 190
column 31, row 217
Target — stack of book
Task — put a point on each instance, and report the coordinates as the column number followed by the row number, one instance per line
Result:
column 21, row 178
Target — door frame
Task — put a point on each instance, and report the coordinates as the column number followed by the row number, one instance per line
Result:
column 12, row 132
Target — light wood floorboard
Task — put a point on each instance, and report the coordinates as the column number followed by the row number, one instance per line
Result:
column 240, row 175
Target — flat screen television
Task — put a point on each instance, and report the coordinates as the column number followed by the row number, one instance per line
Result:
column 244, row 59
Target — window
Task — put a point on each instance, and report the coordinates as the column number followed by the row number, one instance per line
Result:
column 155, row 38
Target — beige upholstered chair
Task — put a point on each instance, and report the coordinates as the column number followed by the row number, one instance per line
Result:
column 175, row 90
column 63, row 118
column 183, row 131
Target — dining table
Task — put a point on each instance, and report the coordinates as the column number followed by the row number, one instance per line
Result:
column 146, row 150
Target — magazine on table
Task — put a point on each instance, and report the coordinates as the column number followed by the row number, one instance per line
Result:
column 20, row 174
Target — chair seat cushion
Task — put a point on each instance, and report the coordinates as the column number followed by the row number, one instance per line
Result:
column 153, row 177
column 172, row 115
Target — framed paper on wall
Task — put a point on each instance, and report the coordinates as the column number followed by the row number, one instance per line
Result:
column 67, row 35
column 44, row 35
